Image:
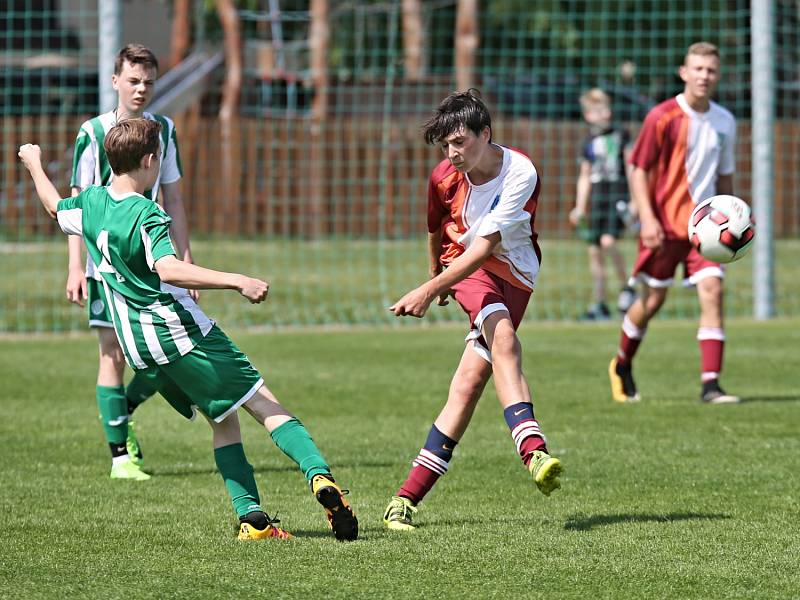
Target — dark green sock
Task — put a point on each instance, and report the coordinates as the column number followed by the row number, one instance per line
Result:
column 296, row 443
column 113, row 413
column 238, row 476
column 142, row 386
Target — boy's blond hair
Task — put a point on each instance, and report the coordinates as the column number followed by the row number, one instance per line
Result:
column 595, row 97
column 702, row 49
column 129, row 141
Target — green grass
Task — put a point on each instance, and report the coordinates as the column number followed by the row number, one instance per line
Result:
column 352, row 281
column 665, row 499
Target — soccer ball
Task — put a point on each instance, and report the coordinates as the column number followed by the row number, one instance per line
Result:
column 722, row 228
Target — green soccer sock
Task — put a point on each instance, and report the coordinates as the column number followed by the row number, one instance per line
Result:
column 296, row 443
column 239, row 479
column 142, row 386
column 113, row 413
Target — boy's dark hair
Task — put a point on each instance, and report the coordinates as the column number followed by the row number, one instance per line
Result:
column 129, row 141
column 135, row 54
column 459, row 109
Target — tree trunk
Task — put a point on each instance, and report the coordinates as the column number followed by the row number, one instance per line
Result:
column 467, row 40
column 413, row 40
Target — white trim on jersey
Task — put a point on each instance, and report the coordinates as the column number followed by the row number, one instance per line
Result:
column 148, row 248
column 121, row 308
column 151, row 338
column 251, row 392
column 200, row 318
column 71, row 221
column 176, row 329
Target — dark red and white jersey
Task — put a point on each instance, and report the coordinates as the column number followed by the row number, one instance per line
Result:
column 684, row 151
column 462, row 212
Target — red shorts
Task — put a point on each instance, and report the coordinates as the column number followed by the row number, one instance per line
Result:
column 656, row 269
column 484, row 293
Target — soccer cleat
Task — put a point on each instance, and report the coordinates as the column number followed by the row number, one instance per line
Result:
column 132, row 444
column 596, row 312
column 128, row 470
column 626, row 298
column 341, row 518
column 623, row 388
column 545, row 470
column 713, row 394
column 249, row 531
column 399, row 513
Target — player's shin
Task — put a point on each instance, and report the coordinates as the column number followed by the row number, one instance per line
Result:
column 239, row 480
column 296, row 443
column 431, row 463
column 114, row 416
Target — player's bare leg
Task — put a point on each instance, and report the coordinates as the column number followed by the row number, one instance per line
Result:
column 627, row 294
column 597, row 311
column 515, row 398
column 433, row 460
column 711, row 337
column 293, row 439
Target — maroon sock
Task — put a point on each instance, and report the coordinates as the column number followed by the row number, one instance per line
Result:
column 712, row 345
column 629, row 341
column 419, row 482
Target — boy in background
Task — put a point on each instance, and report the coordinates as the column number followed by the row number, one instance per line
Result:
column 601, row 200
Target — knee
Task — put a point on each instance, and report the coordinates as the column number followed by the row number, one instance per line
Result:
column 468, row 386
column 506, row 347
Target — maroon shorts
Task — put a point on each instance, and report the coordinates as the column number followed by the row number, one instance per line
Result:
column 484, row 293
column 656, row 269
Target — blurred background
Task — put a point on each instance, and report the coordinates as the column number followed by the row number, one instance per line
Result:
column 299, row 132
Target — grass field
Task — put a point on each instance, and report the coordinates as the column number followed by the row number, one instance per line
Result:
column 353, row 281
column 665, row 499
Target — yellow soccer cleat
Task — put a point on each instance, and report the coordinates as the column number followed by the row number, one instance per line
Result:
column 399, row 513
column 623, row 388
column 128, row 470
column 341, row 517
column 249, row 532
column 545, row 470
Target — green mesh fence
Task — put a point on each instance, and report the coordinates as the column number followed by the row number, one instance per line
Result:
column 318, row 182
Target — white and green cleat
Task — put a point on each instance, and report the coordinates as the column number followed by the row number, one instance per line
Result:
column 399, row 513
column 128, row 470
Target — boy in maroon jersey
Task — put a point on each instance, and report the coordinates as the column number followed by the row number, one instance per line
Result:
column 683, row 156
column 482, row 249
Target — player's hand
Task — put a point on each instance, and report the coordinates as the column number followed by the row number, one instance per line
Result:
column 575, row 216
column 31, row 155
column 414, row 304
column 253, row 289
column 76, row 286
column 652, row 234
column 194, row 295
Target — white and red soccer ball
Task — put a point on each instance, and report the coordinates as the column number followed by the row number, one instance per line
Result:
column 722, row 228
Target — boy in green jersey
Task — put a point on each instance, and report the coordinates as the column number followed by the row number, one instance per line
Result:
column 159, row 326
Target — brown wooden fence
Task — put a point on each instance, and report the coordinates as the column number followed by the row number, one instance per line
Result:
column 355, row 176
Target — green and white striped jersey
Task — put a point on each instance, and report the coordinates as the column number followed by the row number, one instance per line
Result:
column 90, row 164
column 155, row 322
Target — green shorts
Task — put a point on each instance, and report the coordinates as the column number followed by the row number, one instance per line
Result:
column 215, row 377
column 99, row 314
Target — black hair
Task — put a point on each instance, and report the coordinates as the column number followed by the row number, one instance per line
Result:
column 459, row 109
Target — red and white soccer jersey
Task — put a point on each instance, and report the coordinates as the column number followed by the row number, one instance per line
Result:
column 684, row 151
column 506, row 204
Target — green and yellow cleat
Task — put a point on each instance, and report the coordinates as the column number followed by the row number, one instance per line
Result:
column 132, row 444
column 341, row 518
column 128, row 470
column 399, row 513
column 545, row 470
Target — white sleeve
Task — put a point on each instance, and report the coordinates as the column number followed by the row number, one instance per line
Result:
column 727, row 161
column 509, row 214
column 84, row 169
column 170, row 171
column 71, row 221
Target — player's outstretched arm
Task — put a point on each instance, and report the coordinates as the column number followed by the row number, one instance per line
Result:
column 183, row 274
column 31, row 156
column 416, row 302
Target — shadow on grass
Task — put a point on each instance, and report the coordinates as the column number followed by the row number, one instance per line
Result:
column 786, row 398
column 586, row 523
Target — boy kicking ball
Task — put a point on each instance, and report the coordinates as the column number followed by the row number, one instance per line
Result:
column 159, row 325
